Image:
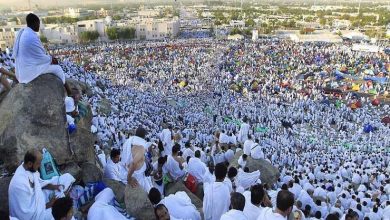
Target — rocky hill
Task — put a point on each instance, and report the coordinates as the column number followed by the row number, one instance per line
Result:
column 33, row 116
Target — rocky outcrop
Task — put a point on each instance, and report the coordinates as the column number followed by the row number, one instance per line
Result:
column 90, row 173
column 117, row 187
column 138, row 204
column 4, row 182
column 80, row 86
column 33, row 116
column 173, row 188
column 73, row 169
column 268, row 173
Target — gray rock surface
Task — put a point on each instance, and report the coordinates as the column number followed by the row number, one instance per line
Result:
column 268, row 173
column 172, row 188
column 117, row 187
column 81, row 86
column 90, row 173
column 73, row 169
column 33, row 116
column 4, row 183
column 138, row 204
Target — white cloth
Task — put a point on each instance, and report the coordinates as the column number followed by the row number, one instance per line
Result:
column 31, row 58
column 216, row 200
column 172, row 166
column 251, row 211
column 26, row 198
column 179, row 206
column 127, row 158
column 256, row 152
column 126, row 155
column 246, row 180
column 248, row 146
column 166, row 138
column 267, row 213
column 244, row 132
column 197, row 168
column 102, row 208
column 115, row 171
column 234, row 215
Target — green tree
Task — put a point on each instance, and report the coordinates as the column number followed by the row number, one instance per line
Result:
column 43, row 39
column 323, row 21
column 126, row 33
column 235, row 31
column 249, row 22
column 116, row 17
column 88, row 36
column 112, row 33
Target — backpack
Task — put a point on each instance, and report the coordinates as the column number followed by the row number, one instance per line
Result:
column 48, row 168
column 191, row 183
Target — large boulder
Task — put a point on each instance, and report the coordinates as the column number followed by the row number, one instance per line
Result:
column 81, row 143
column 90, row 173
column 4, row 183
column 81, row 86
column 33, row 116
column 117, row 187
column 175, row 187
column 138, row 204
column 73, row 169
column 268, row 173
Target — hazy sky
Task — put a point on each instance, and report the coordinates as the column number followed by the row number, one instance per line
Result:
column 44, row 3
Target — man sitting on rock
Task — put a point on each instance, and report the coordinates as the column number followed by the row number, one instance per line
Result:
column 30, row 56
column 113, row 170
column 27, row 199
column 179, row 204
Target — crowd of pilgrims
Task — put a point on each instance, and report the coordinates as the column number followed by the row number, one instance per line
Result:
column 199, row 102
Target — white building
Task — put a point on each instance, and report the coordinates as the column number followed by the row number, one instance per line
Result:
column 154, row 29
column 98, row 25
column 77, row 12
column 60, row 34
column 237, row 23
column 8, row 34
column 354, row 35
column 255, row 34
column 341, row 24
column 149, row 13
